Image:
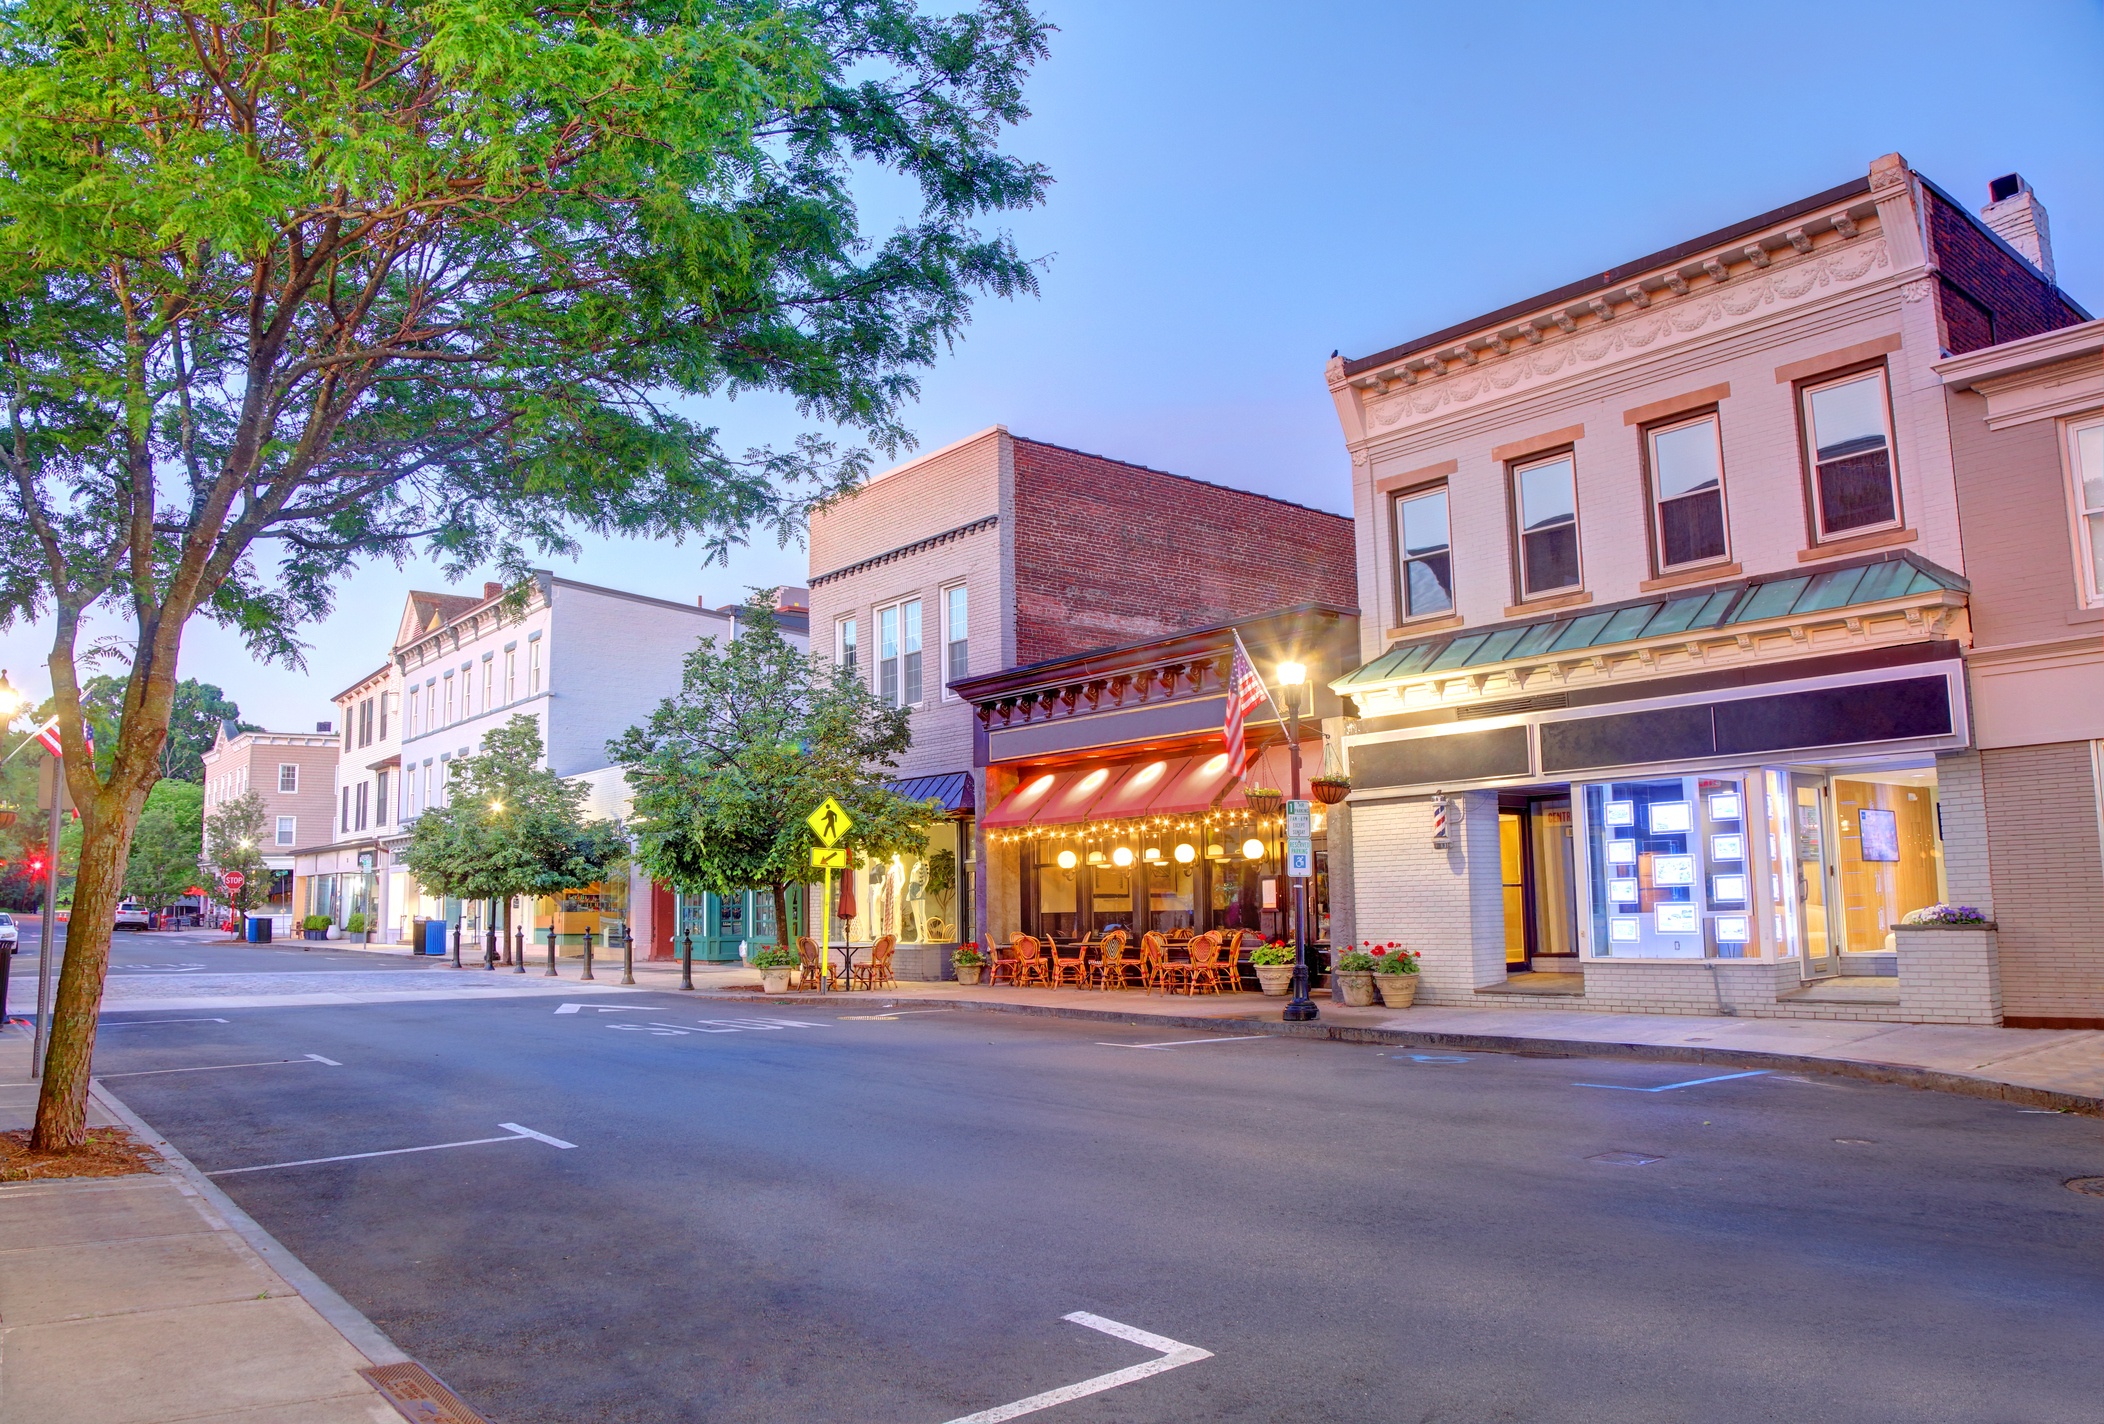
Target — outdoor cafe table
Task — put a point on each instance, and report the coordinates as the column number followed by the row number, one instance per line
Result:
column 846, row 953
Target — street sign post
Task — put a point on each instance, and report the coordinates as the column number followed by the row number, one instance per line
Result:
column 829, row 823
column 1300, row 840
column 234, row 880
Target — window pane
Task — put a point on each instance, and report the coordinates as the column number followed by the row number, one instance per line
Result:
column 888, row 633
column 913, row 678
column 1691, row 528
column 1856, row 491
column 1424, row 521
column 2096, row 551
column 1849, row 418
column 1550, row 558
column 1429, row 585
column 2089, row 455
column 957, row 614
column 1547, row 495
column 910, row 616
column 1685, row 459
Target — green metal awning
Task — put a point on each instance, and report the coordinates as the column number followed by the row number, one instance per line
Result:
column 1710, row 610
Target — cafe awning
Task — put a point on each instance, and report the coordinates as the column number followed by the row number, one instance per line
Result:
column 952, row 790
column 1021, row 804
column 1141, row 786
column 1054, row 796
column 1192, row 788
column 1274, row 769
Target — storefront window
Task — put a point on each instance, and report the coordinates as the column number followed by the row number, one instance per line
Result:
column 1888, row 856
column 1170, row 886
column 1670, row 869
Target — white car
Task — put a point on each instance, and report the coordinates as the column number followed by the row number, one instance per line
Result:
column 9, row 935
column 131, row 915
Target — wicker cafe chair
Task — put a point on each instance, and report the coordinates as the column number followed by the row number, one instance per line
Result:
column 1154, row 960
column 1030, row 961
column 1204, row 967
column 1113, row 970
column 1000, row 962
column 807, row 972
column 1070, row 963
column 876, row 974
column 1232, row 943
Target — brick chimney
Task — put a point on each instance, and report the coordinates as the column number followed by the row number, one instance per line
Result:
column 2017, row 216
column 491, row 590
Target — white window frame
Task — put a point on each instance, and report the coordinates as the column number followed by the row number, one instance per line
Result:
column 910, row 644
column 847, row 636
column 533, row 664
column 1518, row 469
column 1403, row 560
column 294, row 768
column 1807, row 433
column 489, row 681
column 511, row 675
column 952, row 635
column 287, row 830
column 448, row 680
column 1658, row 527
column 2088, row 586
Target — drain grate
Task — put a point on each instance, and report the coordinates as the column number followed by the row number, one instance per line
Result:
column 1625, row 1159
column 2089, row 1186
column 421, row 1396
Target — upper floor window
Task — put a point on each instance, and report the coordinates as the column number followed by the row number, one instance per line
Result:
column 380, row 798
column 1545, row 509
column 1848, row 431
column 410, row 727
column 899, row 653
column 533, row 667
column 287, row 830
column 346, row 794
column 467, row 690
column 288, row 776
column 2086, row 464
column 365, row 723
column 449, row 701
column 1424, row 554
column 956, row 637
column 511, row 674
column 1687, row 493
column 844, row 640
column 489, row 681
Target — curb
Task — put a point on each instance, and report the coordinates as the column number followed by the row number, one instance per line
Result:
column 1934, row 1080
column 364, row 1336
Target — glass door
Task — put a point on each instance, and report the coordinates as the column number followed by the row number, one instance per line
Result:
column 1555, row 885
column 1813, row 858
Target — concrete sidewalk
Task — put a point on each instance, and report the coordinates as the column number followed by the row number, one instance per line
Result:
column 153, row 1299
column 2056, row 1068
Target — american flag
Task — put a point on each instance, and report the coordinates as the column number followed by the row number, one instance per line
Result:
column 1245, row 689
column 48, row 735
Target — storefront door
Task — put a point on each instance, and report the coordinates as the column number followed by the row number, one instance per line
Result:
column 1815, row 872
column 1555, row 884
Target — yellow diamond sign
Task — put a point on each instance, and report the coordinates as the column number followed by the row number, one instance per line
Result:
column 829, row 823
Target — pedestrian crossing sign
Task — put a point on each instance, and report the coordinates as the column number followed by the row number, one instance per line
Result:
column 829, row 858
column 829, row 823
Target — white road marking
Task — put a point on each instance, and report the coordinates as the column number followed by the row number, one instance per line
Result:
column 515, row 1133
column 1174, row 1354
column 601, row 1008
column 141, row 1023
column 1668, row 1087
column 1187, row 1042
column 215, row 1067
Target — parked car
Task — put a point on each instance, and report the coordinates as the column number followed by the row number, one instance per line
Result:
column 131, row 915
column 9, row 935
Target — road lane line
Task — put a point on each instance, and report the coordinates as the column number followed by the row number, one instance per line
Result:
column 142, row 1023
column 1174, row 1354
column 515, row 1134
column 215, row 1067
column 1668, row 1087
column 536, row 1136
column 1187, row 1042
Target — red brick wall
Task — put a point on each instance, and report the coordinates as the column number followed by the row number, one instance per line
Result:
column 1997, row 297
column 1109, row 553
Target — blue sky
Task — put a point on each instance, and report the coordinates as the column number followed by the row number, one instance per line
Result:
column 1243, row 188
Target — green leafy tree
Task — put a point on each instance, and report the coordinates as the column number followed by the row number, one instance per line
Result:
column 167, row 845
column 758, row 735
column 510, row 827
column 290, row 288
column 235, row 835
column 194, row 719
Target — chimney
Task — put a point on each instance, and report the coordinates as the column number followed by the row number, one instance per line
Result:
column 491, row 590
column 2019, row 219
column 792, row 600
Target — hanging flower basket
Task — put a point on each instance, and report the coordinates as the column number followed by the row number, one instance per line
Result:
column 7, row 818
column 1263, row 800
column 1329, row 790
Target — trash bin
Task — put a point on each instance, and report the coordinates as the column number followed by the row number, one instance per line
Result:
column 434, row 937
column 416, row 933
column 258, row 929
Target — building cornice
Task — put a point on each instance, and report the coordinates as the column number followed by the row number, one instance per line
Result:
column 947, row 536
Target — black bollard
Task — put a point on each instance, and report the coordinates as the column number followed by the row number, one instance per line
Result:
column 587, row 955
column 628, row 956
column 518, row 950
column 686, row 960
column 551, row 974
column 456, row 944
column 489, row 949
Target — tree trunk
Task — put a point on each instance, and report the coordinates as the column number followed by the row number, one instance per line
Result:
column 781, row 914
column 62, row 1103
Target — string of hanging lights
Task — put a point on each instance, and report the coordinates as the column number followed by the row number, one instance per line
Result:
column 1149, row 840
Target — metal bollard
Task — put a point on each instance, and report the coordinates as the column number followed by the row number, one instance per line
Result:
column 587, row 955
column 686, row 960
column 456, row 944
column 551, row 974
column 489, row 949
column 628, row 956
column 518, row 950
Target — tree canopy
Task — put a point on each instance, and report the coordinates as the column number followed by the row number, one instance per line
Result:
column 758, row 735
column 167, row 845
column 509, row 826
column 287, row 288
column 194, row 719
column 235, row 836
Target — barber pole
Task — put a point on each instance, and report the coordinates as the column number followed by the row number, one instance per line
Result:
column 1439, row 821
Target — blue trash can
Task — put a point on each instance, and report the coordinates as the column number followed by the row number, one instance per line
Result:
column 435, row 937
column 258, row 929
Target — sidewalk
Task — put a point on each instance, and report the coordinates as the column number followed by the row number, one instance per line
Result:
column 2052, row 1068
column 152, row 1299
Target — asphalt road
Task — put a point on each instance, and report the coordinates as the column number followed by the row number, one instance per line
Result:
column 803, row 1214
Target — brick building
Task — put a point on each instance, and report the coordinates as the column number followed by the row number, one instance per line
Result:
column 294, row 775
column 998, row 552
column 1666, row 604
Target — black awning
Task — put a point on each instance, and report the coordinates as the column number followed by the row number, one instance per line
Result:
column 953, row 789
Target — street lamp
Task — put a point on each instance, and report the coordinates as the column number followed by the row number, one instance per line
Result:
column 10, row 700
column 1300, row 1009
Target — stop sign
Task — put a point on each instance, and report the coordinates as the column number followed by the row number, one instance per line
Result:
column 234, row 880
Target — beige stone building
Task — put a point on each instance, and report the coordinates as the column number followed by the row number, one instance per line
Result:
column 1666, row 613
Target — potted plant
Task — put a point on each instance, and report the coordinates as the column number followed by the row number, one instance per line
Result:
column 1329, row 790
column 1263, row 799
column 1273, row 963
column 355, row 925
column 1353, row 971
column 776, row 963
column 1395, row 973
column 315, row 927
column 967, row 961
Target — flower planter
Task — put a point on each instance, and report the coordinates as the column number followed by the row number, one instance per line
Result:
column 1274, row 979
column 333, row 932
column 1357, row 985
column 315, row 934
column 1329, row 792
column 1398, row 991
column 775, row 981
column 967, row 973
column 1264, row 803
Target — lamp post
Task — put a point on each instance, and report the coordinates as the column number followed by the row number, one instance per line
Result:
column 1300, row 1008
column 10, row 703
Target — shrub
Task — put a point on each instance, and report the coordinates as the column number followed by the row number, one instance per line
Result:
column 1945, row 915
column 1277, row 952
column 777, row 956
column 1394, row 959
column 315, row 922
column 967, row 956
column 354, row 925
column 1353, row 961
